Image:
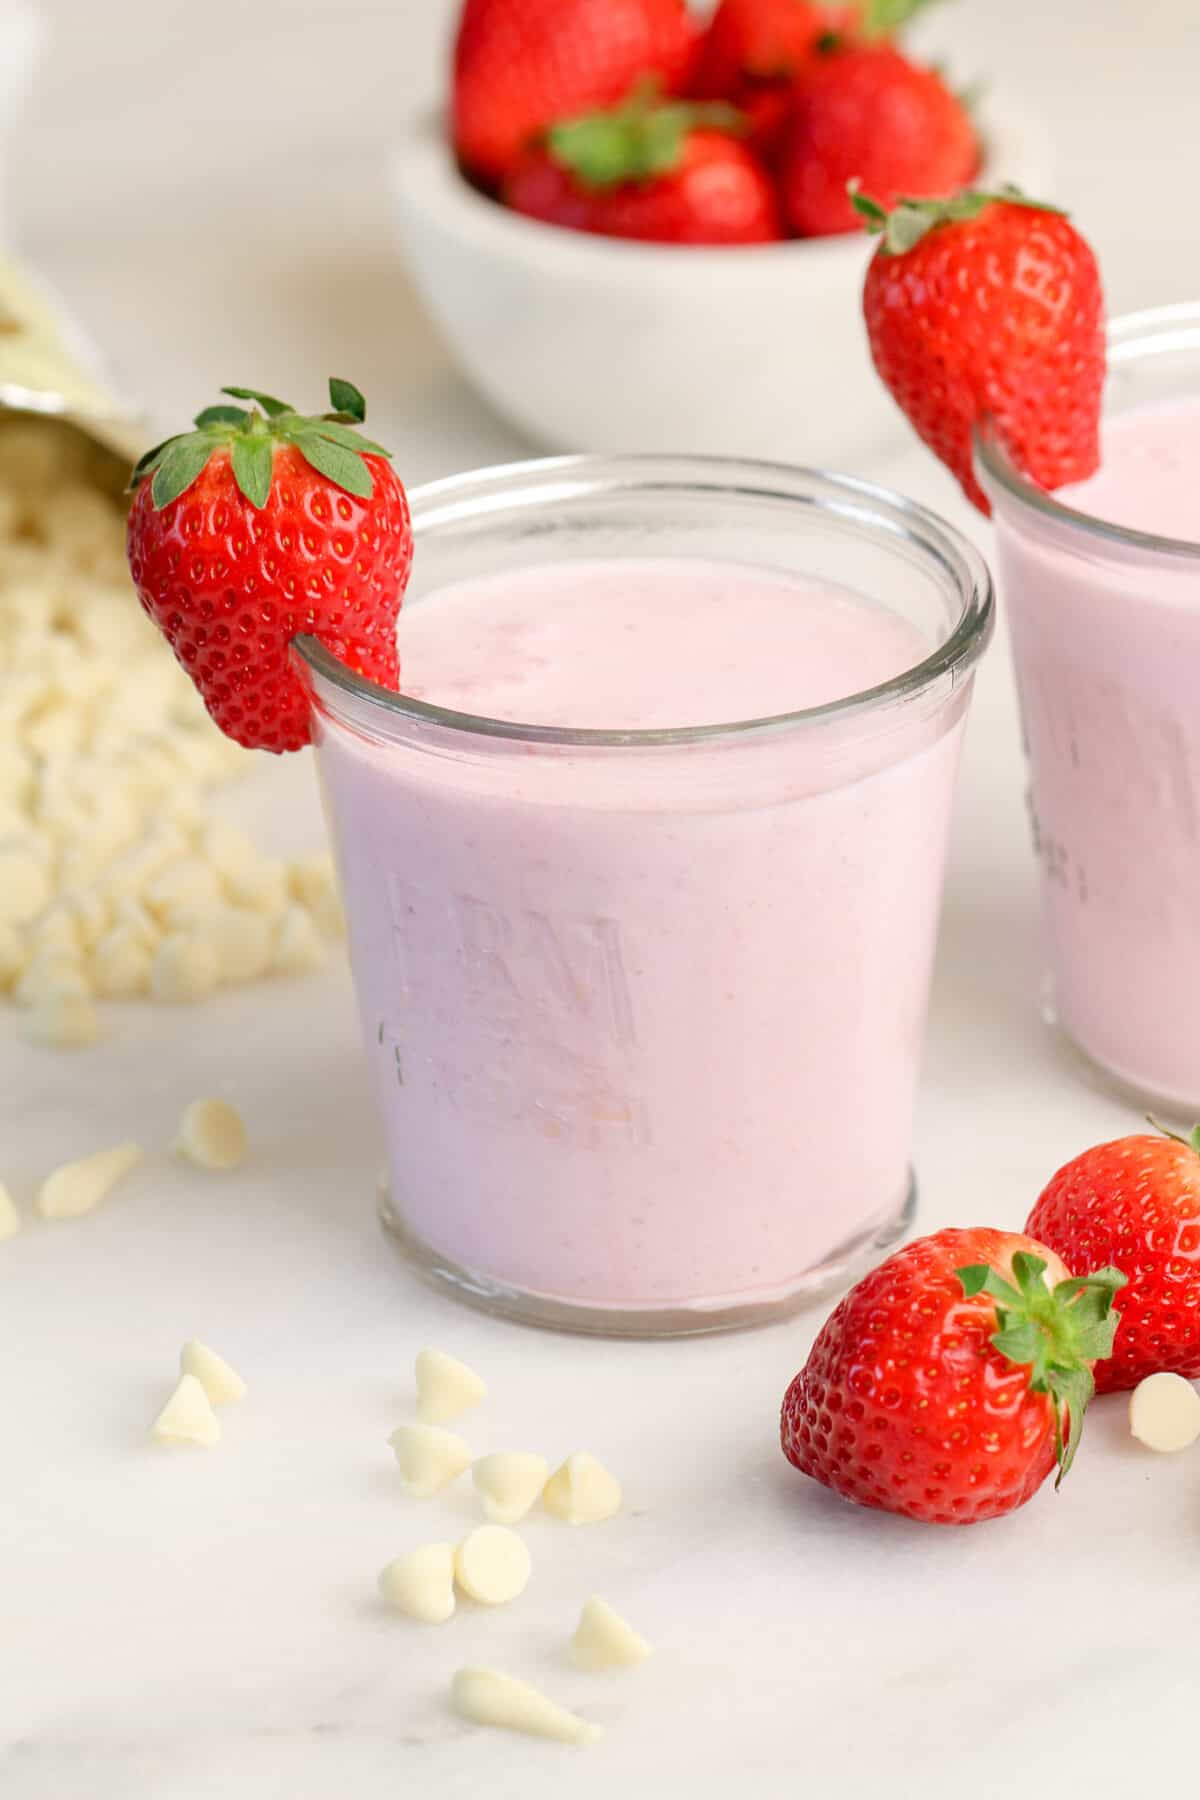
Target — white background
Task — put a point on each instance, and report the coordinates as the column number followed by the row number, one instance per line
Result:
column 205, row 183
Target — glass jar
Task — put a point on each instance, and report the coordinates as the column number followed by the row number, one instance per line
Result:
column 644, row 1008
column 1105, row 625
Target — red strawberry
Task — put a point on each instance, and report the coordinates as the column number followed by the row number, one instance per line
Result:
column 989, row 306
column 755, row 51
column 671, row 174
column 869, row 115
column 752, row 41
column 521, row 64
column 262, row 524
column 1136, row 1202
column 949, row 1381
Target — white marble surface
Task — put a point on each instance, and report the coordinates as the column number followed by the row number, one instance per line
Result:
column 207, row 187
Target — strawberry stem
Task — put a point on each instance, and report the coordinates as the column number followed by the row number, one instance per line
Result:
column 1058, row 1333
column 1191, row 1141
column 330, row 443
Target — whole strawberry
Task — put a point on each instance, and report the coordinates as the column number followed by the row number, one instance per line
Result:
column 671, row 174
column 950, row 1381
column 1136, row 1202
column 519, row 65
column 989, row 306
column 756, row 51
column 259, row 525
column 870, row 116
column 753, row 45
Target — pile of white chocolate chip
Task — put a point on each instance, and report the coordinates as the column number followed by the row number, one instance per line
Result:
column 118, row 879
column 492, row 1565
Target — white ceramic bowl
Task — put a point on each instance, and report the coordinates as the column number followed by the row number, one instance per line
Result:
column 589, row 343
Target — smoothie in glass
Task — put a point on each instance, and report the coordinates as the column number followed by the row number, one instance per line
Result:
column 1101, row 583
column 642, row 887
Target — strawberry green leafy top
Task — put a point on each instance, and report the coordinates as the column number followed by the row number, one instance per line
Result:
column 1058, row 1332
column 330, row 443
column 910, row 220
column 637, row 140
column 882, row 18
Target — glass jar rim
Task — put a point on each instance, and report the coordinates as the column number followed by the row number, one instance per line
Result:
column 1131, row 338
column 856, row 504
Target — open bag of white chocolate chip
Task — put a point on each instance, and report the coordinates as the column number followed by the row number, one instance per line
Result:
column 121, row 876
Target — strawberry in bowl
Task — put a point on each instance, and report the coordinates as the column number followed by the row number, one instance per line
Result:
column 867, row 115
column 262, row 523
column 661, row 296
column 761, row 54
column 522, row 65
column 672, row 174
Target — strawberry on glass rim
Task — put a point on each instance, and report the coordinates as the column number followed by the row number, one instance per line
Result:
column 262, row 523
column 950, row 1382
column 865, row 113
column 1136, row 1200
column 664, row 172
column 989, row 307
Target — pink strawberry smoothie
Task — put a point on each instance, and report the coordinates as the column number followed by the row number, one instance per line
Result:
column 1106, row 637
column 645, row 1020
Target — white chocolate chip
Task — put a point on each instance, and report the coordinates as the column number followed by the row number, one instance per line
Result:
column 313, row 882
column 188, row 882
column 52, row 974
column 130, row 915
column 299, row 947
column 61, row 1022
column 10, row 1218
column 486, row 1697
column 13, row 955
column 212, row 1135
column 1164, row 1412
column 508, row 1483
column 57, row 928
column 492, row 1565
column 604, row 1640
column 429, row 1458
column 91, row 910
column 223, row 1385
column 582, row 1491
column 121, row 965
column 241, row 939
column 78, row 1187
column 261, row 884
column 445, row 1387
column 421, row 1584
column 25, row 885
column 185, row 969
column 188, row 1417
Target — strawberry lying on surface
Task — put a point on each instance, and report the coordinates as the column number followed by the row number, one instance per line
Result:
column 522, row 65
column 258, row 525
column 989, row 306
column 950, row 1381
column 1136, row 1202
column 869, row 115
column 670, row 173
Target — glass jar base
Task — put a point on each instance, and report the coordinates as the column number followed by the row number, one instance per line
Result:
column 676, row 1319
column 1105, row 1078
